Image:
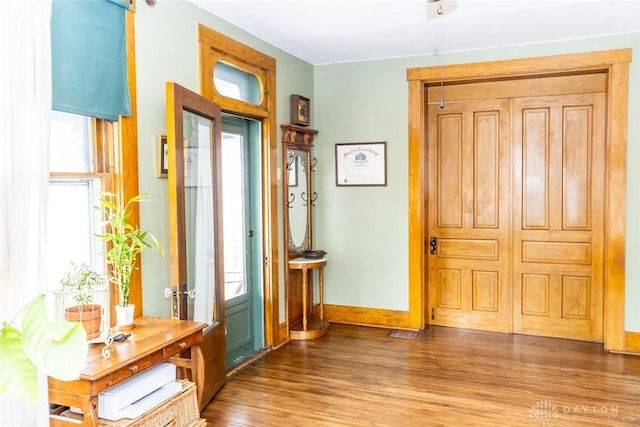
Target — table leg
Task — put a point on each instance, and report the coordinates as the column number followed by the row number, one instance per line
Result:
column 305, row 284
column 321, row 286
column 87, row 404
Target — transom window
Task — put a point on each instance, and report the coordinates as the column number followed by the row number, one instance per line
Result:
column 236, row 83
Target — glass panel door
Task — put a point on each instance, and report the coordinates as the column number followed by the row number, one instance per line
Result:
column 242, row 238
column 233, row 191
column 199, row 207
column 195, row 219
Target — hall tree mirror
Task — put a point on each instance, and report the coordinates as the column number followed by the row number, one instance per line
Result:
column 195, row 221
column 298, row 166
column 298, row 207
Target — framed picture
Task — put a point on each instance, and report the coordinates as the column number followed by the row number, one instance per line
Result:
column 361, row 164
column 300, row 110
column 162, row 157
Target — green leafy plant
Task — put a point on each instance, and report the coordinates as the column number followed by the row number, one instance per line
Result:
column 124, row 241
column 57, row 349
column 83, row 284
column 81, row 280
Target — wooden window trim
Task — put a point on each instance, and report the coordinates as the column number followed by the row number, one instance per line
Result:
column 124, row 165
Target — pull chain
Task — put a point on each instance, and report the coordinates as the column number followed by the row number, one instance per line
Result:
column 441, row 13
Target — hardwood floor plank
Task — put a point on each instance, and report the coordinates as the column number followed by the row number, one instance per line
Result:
column 358, row 376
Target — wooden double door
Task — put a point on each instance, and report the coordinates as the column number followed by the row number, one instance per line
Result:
column 515, row 205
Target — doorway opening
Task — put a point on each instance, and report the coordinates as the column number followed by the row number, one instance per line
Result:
column 242, row 234
column 242, row 81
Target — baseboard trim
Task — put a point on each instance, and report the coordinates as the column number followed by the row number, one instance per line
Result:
column 283, row 335
column 632, row 342
column 367, row 316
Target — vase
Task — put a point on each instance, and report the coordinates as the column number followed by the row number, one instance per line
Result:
column 124, row 316
column 89, row 315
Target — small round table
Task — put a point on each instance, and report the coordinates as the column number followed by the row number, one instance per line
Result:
column 310, row 329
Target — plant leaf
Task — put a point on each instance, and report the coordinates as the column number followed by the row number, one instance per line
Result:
column 18, row 376
column 59, row 349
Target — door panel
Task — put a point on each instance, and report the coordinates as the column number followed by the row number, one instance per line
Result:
column 193, row 136
column 237, row 226
column 469, row 215
column 242, row 233
column 559, row 173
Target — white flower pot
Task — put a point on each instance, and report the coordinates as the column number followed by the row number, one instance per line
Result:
column 124, row 315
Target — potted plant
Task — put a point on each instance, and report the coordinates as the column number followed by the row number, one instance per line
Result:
column 124, row 242
column 82, row 284
column 58, row 349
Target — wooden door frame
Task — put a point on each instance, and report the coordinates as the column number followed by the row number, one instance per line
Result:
column 615, row 63
column 215, row 46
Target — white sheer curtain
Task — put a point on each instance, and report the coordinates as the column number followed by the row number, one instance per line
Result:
column 25, row 108
column 202, row 216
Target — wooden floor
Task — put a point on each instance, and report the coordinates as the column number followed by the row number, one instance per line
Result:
column 357, row 376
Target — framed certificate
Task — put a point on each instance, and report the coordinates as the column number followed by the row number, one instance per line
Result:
column 361, row 164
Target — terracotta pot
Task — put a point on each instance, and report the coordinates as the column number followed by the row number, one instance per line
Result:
column 89, row 315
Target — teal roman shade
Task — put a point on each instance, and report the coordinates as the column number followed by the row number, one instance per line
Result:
column 88, row 55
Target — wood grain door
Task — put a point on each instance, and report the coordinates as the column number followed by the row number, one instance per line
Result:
column 468, row 199
column 559, row 173
column 195, row 221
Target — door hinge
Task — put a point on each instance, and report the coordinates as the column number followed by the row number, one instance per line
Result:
column 433, row 314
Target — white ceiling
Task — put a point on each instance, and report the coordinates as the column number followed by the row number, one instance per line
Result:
column 332, row 31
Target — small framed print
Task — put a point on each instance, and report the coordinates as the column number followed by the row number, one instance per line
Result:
column 162, row 157
column 300, row 110
column 361, row 164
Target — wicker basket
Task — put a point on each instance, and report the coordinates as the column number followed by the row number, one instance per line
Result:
column 179, row 411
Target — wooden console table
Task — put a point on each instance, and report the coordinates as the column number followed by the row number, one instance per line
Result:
column 152, row 341
column 310, row 328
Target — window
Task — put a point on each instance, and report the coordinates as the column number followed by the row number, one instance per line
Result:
column 75, row 186
column 88, row 156
column 236, row 83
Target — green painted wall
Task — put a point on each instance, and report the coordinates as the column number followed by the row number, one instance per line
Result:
column 365, row 230
column 167, row 50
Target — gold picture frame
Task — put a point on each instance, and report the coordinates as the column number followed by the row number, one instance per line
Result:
column 300, row 110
